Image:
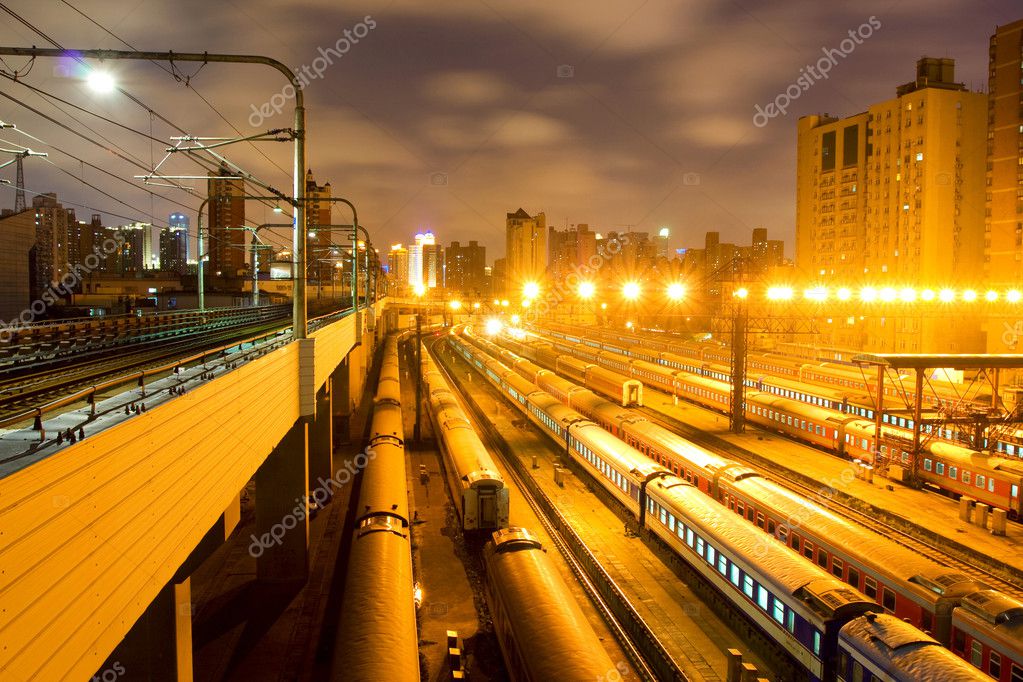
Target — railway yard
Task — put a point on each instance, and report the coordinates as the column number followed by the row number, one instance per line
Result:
column 535, row 505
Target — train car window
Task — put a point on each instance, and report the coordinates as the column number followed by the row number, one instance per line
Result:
column 837, row 566
column 991, row 485
column 857, row 672
column 1015, row 673
column 953, row 472
column 976, row 653
column 816, row 642
column 747, row 586
column 749, row 513
column 966, row 477
column 808, row 550
column 854, row 578
column 1015, row 491
column 734, row 575
column 822, row 559
column 790, row 621
column 928, row 464
column 760, row 520
column 763, row 598
column 888, row 599
column 870, row 587
column 711, row 555
column 722, row 564
column 770, row 526
column 740, row 508
column 778, row 612
column 700, row 546
column 994, row 665
column 690, row 537
column 795, row 542
column 980, row 481
column 939, row 468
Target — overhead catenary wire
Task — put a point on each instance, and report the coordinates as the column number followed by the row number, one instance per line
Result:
column 124, row 92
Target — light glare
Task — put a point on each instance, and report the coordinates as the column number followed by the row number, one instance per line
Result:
column 676, row 291
column 969, row 295
column 779, row 293
column 631, row 291
column 946, row 295
column 100, row 81
column 587, row 290
column 530, row 290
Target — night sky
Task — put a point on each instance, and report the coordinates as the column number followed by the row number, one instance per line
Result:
column 446, row 115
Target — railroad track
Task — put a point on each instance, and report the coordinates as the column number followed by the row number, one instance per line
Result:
column 27, row 392
column 44, row 386
column 648, row 656
column 911, row 542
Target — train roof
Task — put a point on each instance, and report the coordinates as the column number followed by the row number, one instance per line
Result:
column 965, row 457
column 872, row 549
column 994, row 607
column 512, row 539
column 625, row 456
column 763, row 556
column 894, row 650
column 673, row 442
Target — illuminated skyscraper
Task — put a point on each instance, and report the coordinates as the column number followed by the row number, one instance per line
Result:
column 225, row 244
column 526, row 249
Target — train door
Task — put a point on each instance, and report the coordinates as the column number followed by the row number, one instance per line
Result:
column 488, row 509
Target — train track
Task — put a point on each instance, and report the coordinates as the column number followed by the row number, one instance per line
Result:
column 859, row 517
column 30, row 392
column 649, row 657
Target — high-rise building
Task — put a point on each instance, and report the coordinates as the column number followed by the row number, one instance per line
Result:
column 322, row 257
column 464, row 268
column 51, row 241
column 1004, row 200
column 525, row 250
column 398, row 267
column 569, row 249
column 663, row 235
column 226, row 241
column 136, row 250
column 174, row 249
column 895, row 196
column 18, row 263
column 182, row 222
column 831, row 167
column 426, row 264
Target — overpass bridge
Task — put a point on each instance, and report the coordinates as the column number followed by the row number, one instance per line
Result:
column 98, row 539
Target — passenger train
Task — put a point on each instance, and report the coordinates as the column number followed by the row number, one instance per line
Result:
column 377, row 637
column 543, row 633
column 952, row 469
column 904, row 583
column 800, row 606
column 481, row 498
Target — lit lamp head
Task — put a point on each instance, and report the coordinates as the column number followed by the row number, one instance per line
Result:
column 631, row 291
column 676, row 291
column 530, row 290
column 100, row 81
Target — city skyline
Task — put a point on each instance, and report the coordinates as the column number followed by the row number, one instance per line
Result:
column 681, row 149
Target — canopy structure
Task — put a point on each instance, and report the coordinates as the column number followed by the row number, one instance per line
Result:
column 971, row 406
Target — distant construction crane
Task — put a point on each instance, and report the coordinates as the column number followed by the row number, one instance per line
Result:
column 19, row 196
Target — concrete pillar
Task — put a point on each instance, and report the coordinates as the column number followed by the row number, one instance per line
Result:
column 966, row 509
column 282, row 526
column 998, row 517
column 734, row 666
column 341, row 402
column 980, row 516
column 749, row 672
column 321, row 445
column 158, row 648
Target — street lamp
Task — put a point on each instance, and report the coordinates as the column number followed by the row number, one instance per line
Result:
column 631, row 291
column 299, row 312
column 676, row 291
column 100, row 81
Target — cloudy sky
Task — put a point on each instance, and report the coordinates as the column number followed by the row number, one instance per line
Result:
column 446, row 115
